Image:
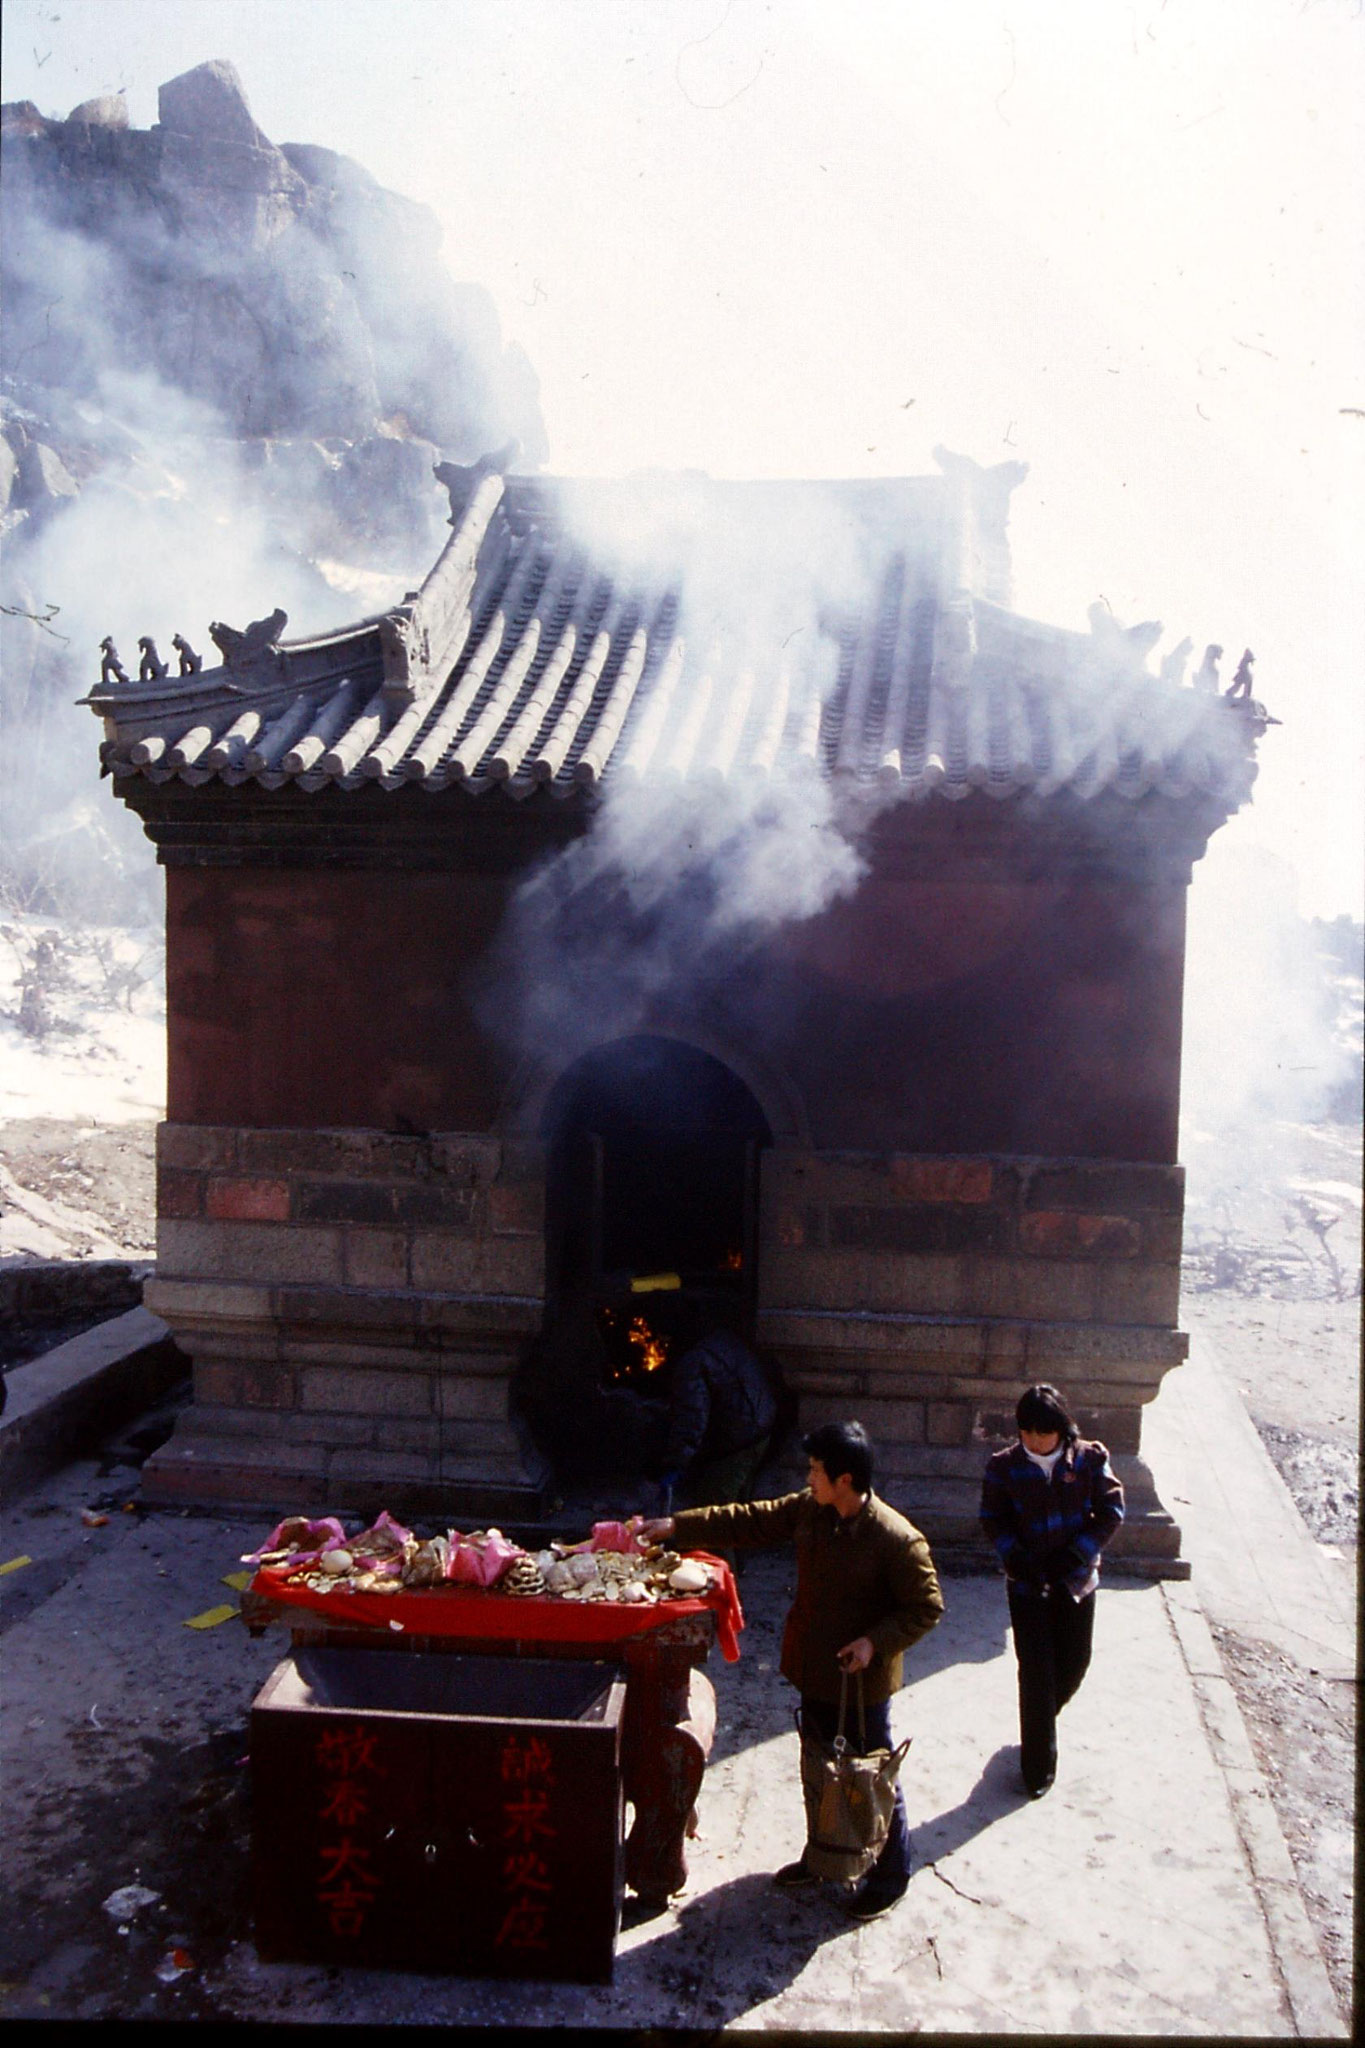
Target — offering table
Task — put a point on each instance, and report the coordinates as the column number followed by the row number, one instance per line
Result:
column 670, row 1709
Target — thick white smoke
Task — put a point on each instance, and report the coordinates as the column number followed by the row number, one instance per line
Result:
column 222, row 391
column 680, row 875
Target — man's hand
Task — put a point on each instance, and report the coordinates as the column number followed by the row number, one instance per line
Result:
column 857, row 1655
column 658, row 1529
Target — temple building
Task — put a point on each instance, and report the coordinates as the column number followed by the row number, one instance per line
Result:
column 916, row 1133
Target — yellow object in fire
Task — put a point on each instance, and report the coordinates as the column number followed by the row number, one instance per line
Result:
column 655, row 1283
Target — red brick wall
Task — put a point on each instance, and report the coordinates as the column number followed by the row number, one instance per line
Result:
column 922, row 1016
column 312, row 998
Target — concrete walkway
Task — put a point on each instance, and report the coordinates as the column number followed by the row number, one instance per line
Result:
column 1150, row 1893
column 1256, row 1568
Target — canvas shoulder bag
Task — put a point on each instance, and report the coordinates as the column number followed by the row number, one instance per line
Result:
column 849, row 1799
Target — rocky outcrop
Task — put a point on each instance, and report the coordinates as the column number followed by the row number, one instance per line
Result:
column 227, row 371
column 110, row 110
column 284, row 288
column 209, row 104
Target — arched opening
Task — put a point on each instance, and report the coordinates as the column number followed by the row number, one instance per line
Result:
column 651, row 1241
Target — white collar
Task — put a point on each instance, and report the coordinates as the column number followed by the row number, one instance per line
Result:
column 1044, row 1460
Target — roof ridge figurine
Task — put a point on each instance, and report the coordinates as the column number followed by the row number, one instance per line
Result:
column 151, row 668
column 262, row 636
column 111, row 668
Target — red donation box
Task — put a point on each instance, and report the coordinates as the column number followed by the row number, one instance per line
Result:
column 439, row 1812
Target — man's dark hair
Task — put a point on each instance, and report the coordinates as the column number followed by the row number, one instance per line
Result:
column 842, row 1447
column 1042, row 1408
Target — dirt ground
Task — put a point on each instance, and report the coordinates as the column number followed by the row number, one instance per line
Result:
column 1294, row 1352
column 1296, row 1364
column 93, row 1188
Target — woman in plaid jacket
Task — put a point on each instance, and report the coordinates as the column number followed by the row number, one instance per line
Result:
column 1049, row 1504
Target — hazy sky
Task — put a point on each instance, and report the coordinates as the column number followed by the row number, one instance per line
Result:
column 1121, row 242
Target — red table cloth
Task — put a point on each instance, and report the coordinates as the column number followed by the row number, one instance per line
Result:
column 472, row 1611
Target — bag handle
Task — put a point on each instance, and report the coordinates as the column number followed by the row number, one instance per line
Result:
column 840, row 1740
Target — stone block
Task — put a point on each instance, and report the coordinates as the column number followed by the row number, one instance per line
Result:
column 523, row 1159
column 893, row 1422
column 198, row 1148
column 353, row 1154
column 482, row 1467
column 179, row 1301
column 1140, row 1293
column 453, row 1262
column 359, row 1392
column 948, row 1422
column 845, row 1405
column 288, row 1151
column 1104, row 1350
column 247, row 1201
column 1107, row 1187
column 370, row 1467
column 859, row 1281
column 234, row 1343
column 1072, row 1234
column 916, row 1227
column 1163, row 1237
column 517, row 1208
column 244, row 1385
column 328, row 1429
column 302, row 1345
column 994, row 1427
column 1006, row 1348
column 344, row 1201
column 822, row 1379
column 943, row 1180
column 471, row 1156
column 349, row 1309
column 179, row 1193
column 255, row 1449
column 260, row 1252
column 466, row 1438
column 168, row 1479
column 1118, row 1429
column 467, row 1328
column 429, row 1204
column 375, row 1258
column 1030, row 1289
column 406, row 1433
column 473, row 1397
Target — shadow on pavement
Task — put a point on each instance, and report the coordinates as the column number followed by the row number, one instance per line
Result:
column 996, row 1792
column 735, row 1946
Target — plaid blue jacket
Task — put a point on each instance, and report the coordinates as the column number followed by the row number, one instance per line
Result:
column 1029, row 1517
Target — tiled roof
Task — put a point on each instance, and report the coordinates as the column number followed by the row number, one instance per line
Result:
column 531, row 662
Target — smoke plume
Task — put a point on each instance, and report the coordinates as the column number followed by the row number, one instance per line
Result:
column 226, row 371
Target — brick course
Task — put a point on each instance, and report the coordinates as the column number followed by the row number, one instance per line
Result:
column 179, row 1193
column 916, row 1227
column 247, row 1201
column 1071, row 1234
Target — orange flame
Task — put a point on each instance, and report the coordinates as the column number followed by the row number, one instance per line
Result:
column 652, row 1350
column 733, row 1262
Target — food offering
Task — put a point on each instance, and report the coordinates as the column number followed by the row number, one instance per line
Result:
column 614, row 1564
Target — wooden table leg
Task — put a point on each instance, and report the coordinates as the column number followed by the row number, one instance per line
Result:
column 670, row 1724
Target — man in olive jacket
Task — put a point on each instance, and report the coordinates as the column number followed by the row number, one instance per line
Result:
column 866, row 1590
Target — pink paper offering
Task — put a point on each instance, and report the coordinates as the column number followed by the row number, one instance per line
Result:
column 381, row 1545
column 624, row 1537
column 304, row 1540
column 479, row 1564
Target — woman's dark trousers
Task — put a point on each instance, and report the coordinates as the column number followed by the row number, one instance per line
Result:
column 1052, row 1637
column 891, row 1871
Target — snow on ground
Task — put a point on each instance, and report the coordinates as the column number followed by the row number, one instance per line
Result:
column 82, row 1022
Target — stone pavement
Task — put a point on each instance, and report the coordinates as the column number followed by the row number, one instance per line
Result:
column 1149, row 1893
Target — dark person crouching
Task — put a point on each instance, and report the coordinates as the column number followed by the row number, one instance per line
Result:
column 1049, row 1504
